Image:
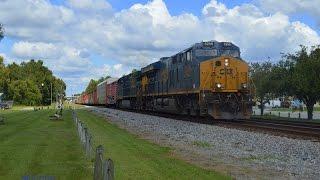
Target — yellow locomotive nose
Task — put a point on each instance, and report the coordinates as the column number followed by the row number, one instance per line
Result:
column 223, row 81
column 224, row 74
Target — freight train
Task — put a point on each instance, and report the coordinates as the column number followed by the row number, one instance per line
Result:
column 208, row 78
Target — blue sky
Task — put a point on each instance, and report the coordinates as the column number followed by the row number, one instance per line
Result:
column 177, row 7
column 84, row 39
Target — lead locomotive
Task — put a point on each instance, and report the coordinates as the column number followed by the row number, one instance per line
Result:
column 208, row 78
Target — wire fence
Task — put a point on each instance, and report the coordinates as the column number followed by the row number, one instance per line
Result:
column 103, row 168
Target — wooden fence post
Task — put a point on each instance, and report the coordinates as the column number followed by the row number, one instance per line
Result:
column 85, row 132
column 98, row 171
column 108, row 170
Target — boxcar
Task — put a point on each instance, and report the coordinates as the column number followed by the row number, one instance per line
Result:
column 111, row 91
column 102, row 93
column 85, row 99
column 95, row 97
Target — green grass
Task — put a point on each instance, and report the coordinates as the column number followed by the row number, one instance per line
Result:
column 31, row 144
column 136, row 158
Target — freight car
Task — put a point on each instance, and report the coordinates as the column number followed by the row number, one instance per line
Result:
column 105, row 94
column 208, row 78
column 102, row 92
column 111, row 89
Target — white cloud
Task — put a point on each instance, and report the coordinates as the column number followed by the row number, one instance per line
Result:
column 117, row 66
column 38, row 50
column 213, row 8
column 90, row 4
column 258, row 36
column 310, row 7
column 7, row 60
column 34, row 19
column 69, row 37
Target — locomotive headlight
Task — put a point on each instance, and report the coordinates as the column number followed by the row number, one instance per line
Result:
column 218, row 85
column 226, row 62
column 244, row 85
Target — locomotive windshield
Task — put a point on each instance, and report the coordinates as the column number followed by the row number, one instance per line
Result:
column 229, row 49
column 206, row 52
column 233, row 53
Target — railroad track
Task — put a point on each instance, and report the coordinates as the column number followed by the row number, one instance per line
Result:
column 300, row 128
column 291, row 127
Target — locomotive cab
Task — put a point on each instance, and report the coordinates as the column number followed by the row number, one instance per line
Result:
column 224, row 88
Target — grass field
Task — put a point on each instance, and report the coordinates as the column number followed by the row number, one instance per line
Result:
column 136, row 158
column 32, row 145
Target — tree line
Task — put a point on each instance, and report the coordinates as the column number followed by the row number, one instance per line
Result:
column 91, row 87
column 295, row 75
column 29, row 83
column 93, row 84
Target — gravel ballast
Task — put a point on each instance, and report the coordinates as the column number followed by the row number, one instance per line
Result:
column 241, row 154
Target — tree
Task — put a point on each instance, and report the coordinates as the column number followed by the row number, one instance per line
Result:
column 3, row 75
column 91, row 86
column 281, row 78
column 1, row 31
column 4, row 78
column 34, row 77
column 1, row 62
column 103, row 79
column 305, row 76
column 25, row 92
column 261, row 74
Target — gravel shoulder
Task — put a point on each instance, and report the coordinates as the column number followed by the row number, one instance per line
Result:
column 241, row 154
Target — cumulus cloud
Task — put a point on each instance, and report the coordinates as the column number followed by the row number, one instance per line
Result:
column 69, row 36
column 310, row 7
column 258, row 35
column 7, row 59
column 34, row 19
column 90, row 4
column 35, row 50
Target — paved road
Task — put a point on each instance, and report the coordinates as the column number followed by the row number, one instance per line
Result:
column 304, row 115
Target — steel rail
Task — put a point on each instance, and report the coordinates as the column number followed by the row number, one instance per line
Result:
column 296, row 127
column 300, row 128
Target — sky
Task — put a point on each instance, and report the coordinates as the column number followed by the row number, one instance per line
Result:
column 81, row 40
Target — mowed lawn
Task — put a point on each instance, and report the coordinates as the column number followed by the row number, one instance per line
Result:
column 136, row 158
column 32, row 145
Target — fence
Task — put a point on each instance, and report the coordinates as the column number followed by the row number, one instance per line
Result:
column 2, row 120
column 285, row 114
column 103, row 168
